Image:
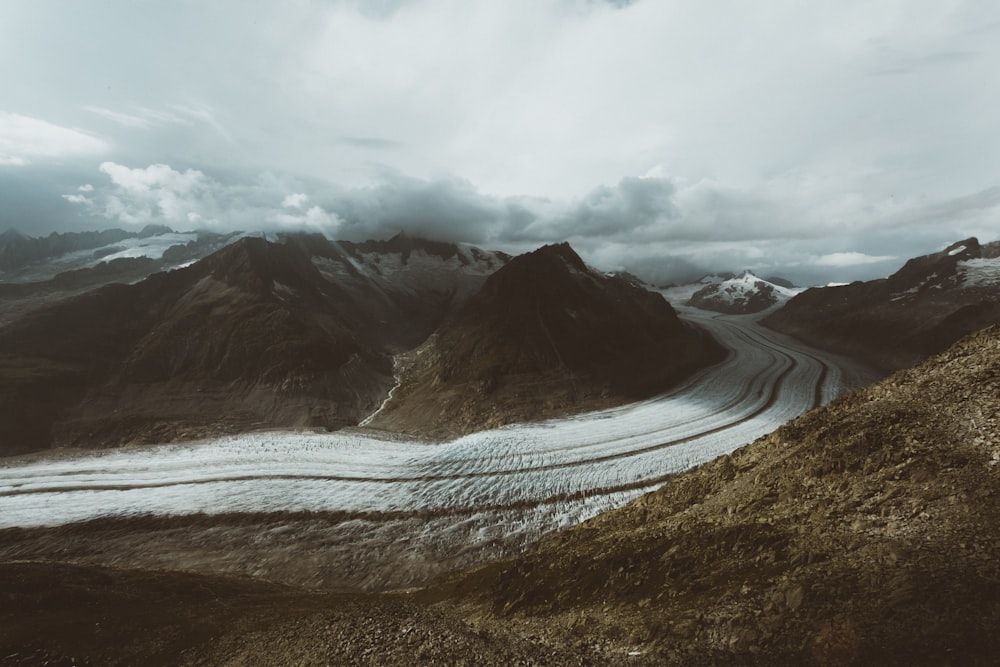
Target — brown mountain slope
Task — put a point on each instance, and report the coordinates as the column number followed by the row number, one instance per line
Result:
column 864, row 532
column 544, row 335
column 248, row 337
column 299, row 332
column 930, row 303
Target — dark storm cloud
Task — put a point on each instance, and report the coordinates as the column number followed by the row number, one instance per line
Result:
column 610, row 211
column 446, row 209
column 642, row 224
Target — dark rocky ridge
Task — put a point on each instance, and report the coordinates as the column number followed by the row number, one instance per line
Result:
column 546, row 334
column 895, row 322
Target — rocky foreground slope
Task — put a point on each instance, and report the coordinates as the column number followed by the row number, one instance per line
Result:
column 864, row 532
column 893, row 323
column 546, row 334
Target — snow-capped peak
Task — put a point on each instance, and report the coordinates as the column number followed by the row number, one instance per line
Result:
column 746, row 293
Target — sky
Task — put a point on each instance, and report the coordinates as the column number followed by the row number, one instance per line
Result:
column 818, row 141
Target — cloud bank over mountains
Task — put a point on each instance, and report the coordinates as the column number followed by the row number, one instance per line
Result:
column 692, row 228
column 819, row 141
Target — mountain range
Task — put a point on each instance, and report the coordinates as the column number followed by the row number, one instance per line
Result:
column 546, row 334
column 861, row 532
column 302, row 332
column 894, row 322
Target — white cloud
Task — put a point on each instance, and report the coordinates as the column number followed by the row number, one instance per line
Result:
column 841, row 259
column 295, row 200
column 155, row 177
column 86, row 187
column 125, row 119
column 154, row 193
column 315, row 218
column 24, row 139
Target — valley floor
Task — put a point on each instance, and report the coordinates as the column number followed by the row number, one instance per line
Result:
column 362, row 510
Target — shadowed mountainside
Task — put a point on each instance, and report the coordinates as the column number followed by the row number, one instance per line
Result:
column 259, row 334
column 545, row 334
column 930, row 303
column 247, row 337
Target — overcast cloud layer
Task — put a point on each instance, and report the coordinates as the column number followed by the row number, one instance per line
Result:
column 815, row 140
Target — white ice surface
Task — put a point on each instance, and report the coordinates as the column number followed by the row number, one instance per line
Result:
column 574, row 467
column 152, row 246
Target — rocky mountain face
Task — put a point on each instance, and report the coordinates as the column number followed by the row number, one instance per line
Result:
column 892, row 323
column 864, row 532
column 545, row 334
column 405, row 286
column 298, row 333
column 740, row 295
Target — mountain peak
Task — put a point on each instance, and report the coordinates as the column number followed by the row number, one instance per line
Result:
column 936, row 269
column 154, row 230
column 545, row 334
column 561, row 251
column 12, row 235
column 739, row 295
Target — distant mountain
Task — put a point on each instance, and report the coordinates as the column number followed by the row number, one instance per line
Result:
column 891, row 323
column 740, row 295
column 40, row 271
column 545, row 334
column 296, row 333
column 405, row 286
column 34, row 259
column 864, row 532
column 18, row 250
